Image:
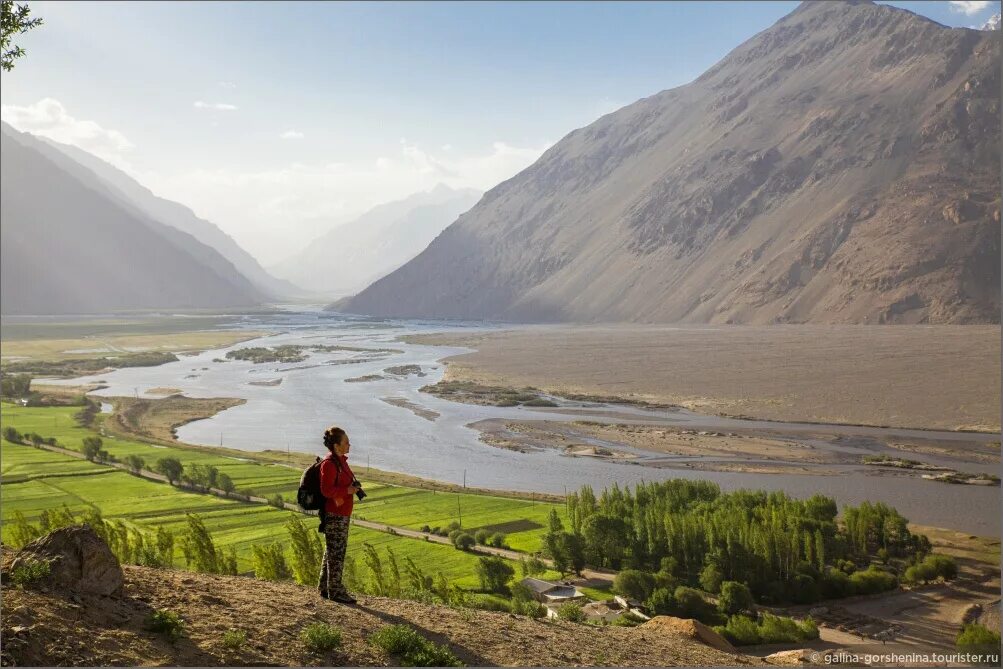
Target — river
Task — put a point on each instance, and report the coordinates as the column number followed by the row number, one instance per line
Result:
column 314, row 394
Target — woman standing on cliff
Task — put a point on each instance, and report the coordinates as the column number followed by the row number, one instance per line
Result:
column 337, row 485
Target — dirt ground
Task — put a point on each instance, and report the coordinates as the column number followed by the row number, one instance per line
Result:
column 922, row 620
column 62, row 629
column 936, row 377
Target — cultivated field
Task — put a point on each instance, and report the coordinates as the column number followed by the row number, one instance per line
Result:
column 35, row 480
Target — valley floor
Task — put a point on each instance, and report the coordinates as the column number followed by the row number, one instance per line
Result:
column 930, row 377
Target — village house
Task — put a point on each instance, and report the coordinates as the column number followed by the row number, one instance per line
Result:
column 547, row 593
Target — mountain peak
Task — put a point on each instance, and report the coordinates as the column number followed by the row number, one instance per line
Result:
column 839, row 167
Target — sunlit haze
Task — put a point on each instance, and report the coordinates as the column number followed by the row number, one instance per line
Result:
column 277, row 121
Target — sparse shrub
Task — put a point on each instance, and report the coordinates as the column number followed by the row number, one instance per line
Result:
column 931, row 568
column 571, row 612
column 201, row 553
column 491, row 603
column 226, row 484
column 320, row 637
column 277, row 501
column 497, row 540
column 689, row 603
column 167, row 623
column 455, row 525
column 978, row 639
column 740, row 630
column 426, row 529
column 135, row 463
column 234, row 639
column 494, row 573
column 482, row 536
column 307, row 552
column 634, row 584
column 463, row 541
column 404, row 642
column 524, row 604
column 91, row 447
column 532, row 566
column 12, row 435
column 540, row 402
column 627, row 619
column 744, row 631
column 29, row 573
column 21, row 531
column 270, row 563
column 734, row 598
column 711, row 578
column 171, row 468
column 661, row 602
column 872, row 580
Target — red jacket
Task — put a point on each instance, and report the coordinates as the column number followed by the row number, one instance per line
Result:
column 334, row 485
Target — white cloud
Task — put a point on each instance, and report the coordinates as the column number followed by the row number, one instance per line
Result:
column 273, row 213
column 219, row 106
column 969, row 7
column 291, row 134
column 49, row 118
column 227, row 84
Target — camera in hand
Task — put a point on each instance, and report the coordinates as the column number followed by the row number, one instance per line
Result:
column 360, row 493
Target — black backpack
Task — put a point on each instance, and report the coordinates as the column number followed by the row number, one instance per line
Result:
column 308, row 496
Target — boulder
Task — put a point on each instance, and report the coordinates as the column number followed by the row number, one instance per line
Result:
column 692, row 629
column 793, row 658
column 79, row 561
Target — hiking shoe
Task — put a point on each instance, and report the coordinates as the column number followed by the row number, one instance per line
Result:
column 343, row 598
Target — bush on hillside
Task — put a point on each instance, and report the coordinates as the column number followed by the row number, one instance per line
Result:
column 405, row 643
column 167, row 623
column 320, row 637
column 571, row 612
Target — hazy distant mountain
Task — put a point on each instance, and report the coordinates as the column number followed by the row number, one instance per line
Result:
column 840, row 166
column 354, row 254
column 181, row 217
column 70, row 244
column 993, row 23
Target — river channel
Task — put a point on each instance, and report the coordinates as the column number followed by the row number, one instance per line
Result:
column 289, row 405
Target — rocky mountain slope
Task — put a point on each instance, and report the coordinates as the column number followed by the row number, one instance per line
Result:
column 178, row 216
column 353, row 255
column 86, row 614
column 69, row 244
column 842, row 166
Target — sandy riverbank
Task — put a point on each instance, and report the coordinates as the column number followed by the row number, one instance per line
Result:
column 933, row 377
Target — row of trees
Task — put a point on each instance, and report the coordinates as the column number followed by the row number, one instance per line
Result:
column 783, row 549
column 193, row 475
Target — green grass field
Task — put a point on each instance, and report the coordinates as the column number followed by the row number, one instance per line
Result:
column 35, row 480
column 524, row 522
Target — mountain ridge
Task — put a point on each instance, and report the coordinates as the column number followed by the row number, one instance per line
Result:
column 177, row 216
column 773, row 188
column 352, row 255
column 61, row 227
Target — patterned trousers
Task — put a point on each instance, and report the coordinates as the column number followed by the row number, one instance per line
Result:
column 335, row 545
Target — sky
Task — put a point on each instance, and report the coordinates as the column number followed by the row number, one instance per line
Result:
column 278, row 121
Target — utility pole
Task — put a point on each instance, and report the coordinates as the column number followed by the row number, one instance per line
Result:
column 459, row 512
column 464, row 479
column 221, row 440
